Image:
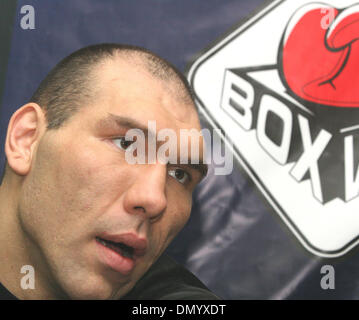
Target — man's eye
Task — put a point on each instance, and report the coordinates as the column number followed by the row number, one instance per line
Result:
column 180, row 175
column 122, row 143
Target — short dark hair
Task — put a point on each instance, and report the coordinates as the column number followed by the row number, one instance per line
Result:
column 70, row 82
column 67, row 86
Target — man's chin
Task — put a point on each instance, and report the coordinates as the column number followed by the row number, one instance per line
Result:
column 99, row 281
column 97, row 287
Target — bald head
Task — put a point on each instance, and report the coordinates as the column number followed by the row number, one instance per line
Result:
column 74, row 82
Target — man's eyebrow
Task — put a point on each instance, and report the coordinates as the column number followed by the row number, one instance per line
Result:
column 123, row 122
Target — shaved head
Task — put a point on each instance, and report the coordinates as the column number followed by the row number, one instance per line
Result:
column 72, row 83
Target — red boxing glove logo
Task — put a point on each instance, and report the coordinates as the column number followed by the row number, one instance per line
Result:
column 319, row 64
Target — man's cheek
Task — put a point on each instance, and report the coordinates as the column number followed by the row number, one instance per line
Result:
column 176, row 223
column 183, row 210
column 88, row 177
column 100, row 188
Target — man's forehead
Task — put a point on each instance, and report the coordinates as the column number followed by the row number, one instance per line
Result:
column 127, row 84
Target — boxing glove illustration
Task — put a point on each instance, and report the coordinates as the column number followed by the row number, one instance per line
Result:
column 320, row 64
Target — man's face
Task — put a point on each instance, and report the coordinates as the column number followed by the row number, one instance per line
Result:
column 81, row 195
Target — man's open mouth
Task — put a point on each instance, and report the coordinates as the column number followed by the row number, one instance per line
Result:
column 121, row 248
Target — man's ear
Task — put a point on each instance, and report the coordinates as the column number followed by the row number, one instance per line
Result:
column 24, row 132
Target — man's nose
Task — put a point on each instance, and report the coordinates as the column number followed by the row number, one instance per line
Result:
column 147, row 193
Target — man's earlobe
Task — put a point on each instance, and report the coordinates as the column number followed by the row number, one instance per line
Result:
column 24, row 131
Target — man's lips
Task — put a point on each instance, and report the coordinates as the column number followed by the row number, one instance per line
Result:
column 120, row 252
column 138, row 244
